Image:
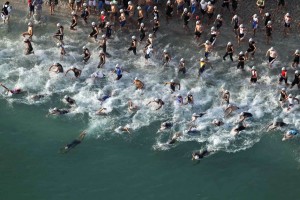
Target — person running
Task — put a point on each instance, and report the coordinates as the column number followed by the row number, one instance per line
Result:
column 118, row 71
column 85, row 15
column 166, row 57
column 241, row 61
column 77, row 72
column 142, row 30
column 272, row 53
column 241, row 33
column 29, row 31
column 219, row 21
column 158, row 101
column 229, row 51
column 296, row 80
column 208, row 48
column 148, row 52
column 236, row 23
column 57, row 68
column 140, row 15
column 254, row 76
column 102, row 19
column 283, row 96
column 73, row 21
column 138, row 84
column 52, row 6
column 122, row 19
column 133, row 45
column 95, row 31
column 173, row 85
column 213, row 35
column 102, row 59
column 267, row 18
column 16, row 90
column 156, row 25
column 186, row 18
column 283, row 76
column 290, row 134
column 202, row 67
column 149, row 41
column 210, row 11
column 198, row 30
column 254, row 24
column 59, row 35
column 28, row 47
column 74, row 143
column 86, row 54
column 269, row 30
column 296, row 59
column 181, row 66
column 251, row 49
column 102, row 44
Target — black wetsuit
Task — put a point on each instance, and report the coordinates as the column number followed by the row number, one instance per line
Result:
column 108, row 31
column 133, row 47
column 247, row 114
column 251, row 47
column 241, row 62
column 29, row 49
column 60, row 33
column 74, row 22
column 142, row 33
column 296, row 81
column 229, row 51
column 70, row 100
column 169, row 10
column 87, row 55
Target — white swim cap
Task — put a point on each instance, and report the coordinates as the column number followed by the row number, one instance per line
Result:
column 189, row 93
column 29, row 24
column 235, row 16
column 129, row 2
column 121, row 10
column 84, row 4
column 202, row 59
column 241, row 53
column 255, row 15
column 271, row 49
column 103, row 36
column 58, row 44
column 181, row 60
column 198, row 22
column 150, row 35
column 165, row 51
column 290, row 95
column 237, row 126
column 102, row 12
column 93, row 23
column 107, row 23
column 283, row 68
column 156, row 99
column 297, row 51
column 218, row 16
column 155, row 7
column 139, row 8
column 254, row 67
column 287, row 14
column 241, row 25
column 213, row 28
column 269, row 22
column 133, row 37
column 168, row 2
column 66, row 96
column 117, row 65
column 226, row 91
column 283, row 89
column 172, row 80
column 73, row 13
column 251, row 39
column 58, row 24
column 209, row 3
column 296, row 72
column 155, row 18
column 229, row 43
column 194, row 114
column 185, row 10
column 84, row 47
column 142, row 24
column 267, row 14
column 136, row 78
column 207, row 42
column 55, row 108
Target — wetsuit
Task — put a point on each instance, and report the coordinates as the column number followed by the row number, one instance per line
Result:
column 296, row 80
column 108, row 31
column 119, row 73
column 94, row 32
column 169, row 10
column 133, row 47
column 219, row 23
column 229, row 51
column 74, row 22
column 269, row 31
column 142, row 33
column 156, row 26
column 241, row 62
column 77, row 72
column 251, row 48
column 253, row 76
column 283, row 76
column 70, row 100
column 60, row 33
column 87, row 55
column 29, row 49
column 186, row 19
column 182, row 67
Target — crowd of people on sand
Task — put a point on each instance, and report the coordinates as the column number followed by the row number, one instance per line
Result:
column 146, row 16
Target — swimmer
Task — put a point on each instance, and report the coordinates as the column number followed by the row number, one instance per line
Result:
column 254, row 24
column 203, row 7
column 237, row 129
column 202, row 67
column 287, row 24
column 102, row 44
column 198, row 30
column 244, row 115
column 98, row 75
column 74, row 143
column 283, row 96
column 275, row 124
column 133, row 45
column 296, row 59
column 140, row 15
column 186, row 18
column 291, row 100
column 254, row 76
column 95, row 31
column 57, row 68
column 108, row 31
column 179, row 99
column 118, row 71
column 213, row 35
column 73, row 21
column 122, row 19
column 62, row 50
column 59, row 35
column 219, row 21
column 269, row 30
column 169, row 11
column 156, row 25
column 236, row 23
column 196, row 116
column 241, row 33
column 197, row 155
column 296, row 80
column 172, row 85
column 241, row 61
column 36, row 97
column 208, row 48
column 149, row 41
column 56, row 111
column 77, row 72
column 14, row 91
column 229, row 51
column 68, row 100
column 148, row 52
column 251, row 50
column 283, row 76
column 189, row 99
column 29, row 31
column 229, row 109
column 102, row 58
column 290, row 134
column 131, row 106
column 165, row 125
column 28, row 47
column 101, row 111
column 123, row 129
column 86, row 54
column 174, row 138
column 85, row 14
column 210, row 11
column 102, row 19
column 225, row 96
column 181, row 66
column 142, row 30
column 166, row 58
column 217, row 122
column 104, row 98
column 157, row 101
column 267, row 18
column 138, row 83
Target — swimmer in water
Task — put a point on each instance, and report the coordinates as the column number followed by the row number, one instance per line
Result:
column 102, row 57
column 28, row 47
column 74, row 143
column 104, row 98
column 208, row 48
column 165, row 125
column 189, row 99
column 56, row 111
column 172, row 85
column 62, row 50
column 77, row 72
column 283, row 76
column 244, row 115
column 59, row 35
column 290, row 134
column 174, row 138
column 98, row 75
column 133, row 45
column 283, row 97
column 291, row 100
column 157, row 101
column 181, row 67
column 198, row 155
column 138, row 83
column 73, row 21
column 118, row 71
column 272, row 56
column 225, row 96
column 14, row 91
column 296, row 80
column 95, row 31
column 196, row 116
column 132, row 107
column 238, row 128
column 57, row 68
column 123, row 129
column 275, row 124
column 217, row 122
column 86, row 54
column 296, row 59
column 229, row 109
column 29, row 31
column 101, row 111
column 68, row 100
column 166, row 57
column 36, row 97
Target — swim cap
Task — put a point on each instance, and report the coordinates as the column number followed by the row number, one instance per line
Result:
column 107, row 23
column 255, row 15
column 226, row 91
column 156, row 99
column 209, row 3
column 241, row 25
column 66, row 96
column 290, row 95
column 283, row 68
column 198, row 22
column 181, row 60
column 29, row 24
column 237, row 126
column 136, row 78
column 269, row 22
column 55, row 108
column 165, row 51
column 58, row 24
column 194, row 114
column 271, row 49
column 242, row 113
column 129, row 2
column 84, row 47
column 93, row 23
column 254, row 67
column 121, row 10
column 73, row 13
column 212, row 28
column 155, row 7
column 103, row 36
column 235, row 16
column 202, row 59
column 150, row 35
column 287, row 14
column 117, row 65
column 102, row 12
column 142, row 24
column 267, row 14
column 58, row 44
column 139, row 8
column 185, row 10
column 283, row 89
column 172, row 81
column 168, row 2
column 296, row 72
column 72, row 68
column 84, row 4
column 251, row 39
column 297, row 51
column 133, row 37
column 207, row 42
column 241, row 53
column 218, row 16
column 229, row 43
column 155, row 18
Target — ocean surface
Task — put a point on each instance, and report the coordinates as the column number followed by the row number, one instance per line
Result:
column 109, row 164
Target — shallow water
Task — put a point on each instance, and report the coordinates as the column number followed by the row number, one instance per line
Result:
column 254, row 165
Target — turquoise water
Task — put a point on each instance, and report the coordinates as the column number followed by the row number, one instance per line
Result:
column 110, row 165
column 128, row 168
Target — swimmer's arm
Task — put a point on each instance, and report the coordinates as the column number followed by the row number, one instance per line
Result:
column 178, row 86
column 50, row 67
column 4, row 87
column 67, row 71
column 149, row 102
column 159, row 107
